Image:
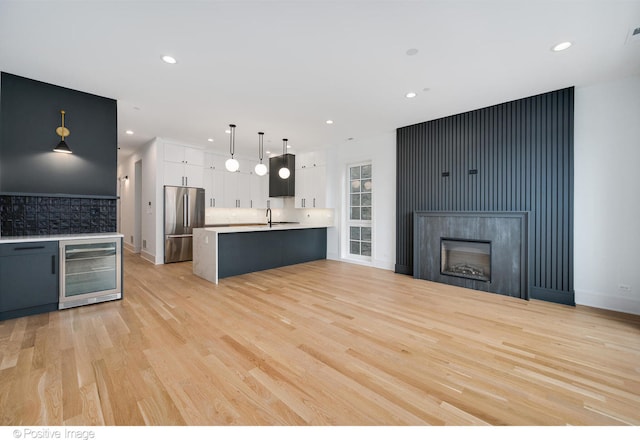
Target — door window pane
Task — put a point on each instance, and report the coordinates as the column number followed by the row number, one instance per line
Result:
column 360, row 208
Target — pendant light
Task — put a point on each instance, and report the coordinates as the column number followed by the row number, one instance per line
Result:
column 284, row 172
column 63, row 132
column 232, row 164
column 261, row 169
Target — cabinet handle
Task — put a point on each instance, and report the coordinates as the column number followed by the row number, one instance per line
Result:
column 186, row 181
column 53, row 264
column 214, row 202
column 314, row 202
column 28, row 248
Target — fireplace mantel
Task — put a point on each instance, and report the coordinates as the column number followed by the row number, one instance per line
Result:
column 507, row 232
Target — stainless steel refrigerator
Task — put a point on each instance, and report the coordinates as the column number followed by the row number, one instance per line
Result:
column 183, row 211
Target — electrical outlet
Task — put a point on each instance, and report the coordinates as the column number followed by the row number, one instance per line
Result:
column 624, row 287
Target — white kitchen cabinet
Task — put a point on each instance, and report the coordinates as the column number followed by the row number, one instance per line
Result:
column 213, row 188
column 237, row 190
column 213, row 185
column 183, row 166
column 311, row 180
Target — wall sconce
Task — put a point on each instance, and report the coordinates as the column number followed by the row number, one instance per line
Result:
column 63, row 132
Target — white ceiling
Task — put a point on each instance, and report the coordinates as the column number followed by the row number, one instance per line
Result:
column 285, row 67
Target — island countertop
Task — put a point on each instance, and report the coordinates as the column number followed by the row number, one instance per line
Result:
column 255, row 227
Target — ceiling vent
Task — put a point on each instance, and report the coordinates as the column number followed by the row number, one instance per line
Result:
column 634, row 35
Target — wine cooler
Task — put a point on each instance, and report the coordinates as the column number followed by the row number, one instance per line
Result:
column 90, row 271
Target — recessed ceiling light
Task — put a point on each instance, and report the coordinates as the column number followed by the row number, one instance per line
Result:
column 288, row 146
column 411, row 95
column 169, row 59
column 412, row 52
column 268, row 152
column 561, row 46
column 209, row 140
column 227, row 131
column 329, row 121
column 129, row 132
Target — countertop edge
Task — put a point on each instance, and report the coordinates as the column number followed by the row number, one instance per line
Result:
column 58, row 237
column 265, row 228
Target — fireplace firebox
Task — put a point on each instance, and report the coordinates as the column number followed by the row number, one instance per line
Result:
column 466, row 258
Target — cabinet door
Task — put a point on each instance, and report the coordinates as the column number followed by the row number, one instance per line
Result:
column 174, row 174
column 193, row 175
column 173, row 153
column 316, row 187
column 302, row 188
column 28, row 275
column 213, row 188
column 193, row 156
column 230, row 189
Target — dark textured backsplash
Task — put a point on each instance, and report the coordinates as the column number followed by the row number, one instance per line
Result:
column 37, row 215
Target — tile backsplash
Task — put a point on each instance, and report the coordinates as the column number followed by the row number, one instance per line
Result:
column 22, row 215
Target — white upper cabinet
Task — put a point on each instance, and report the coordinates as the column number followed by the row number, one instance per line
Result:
column 183, row 166
column 311, row 180
column 214, row 172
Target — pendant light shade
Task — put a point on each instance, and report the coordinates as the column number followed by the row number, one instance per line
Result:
column 232, row 164
column 260, row 169
column 63, row 132
column 284, row 172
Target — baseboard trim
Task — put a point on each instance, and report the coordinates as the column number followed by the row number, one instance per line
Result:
column 147, row 256
column 608, row 302
column 554, row 296
column 403, row 269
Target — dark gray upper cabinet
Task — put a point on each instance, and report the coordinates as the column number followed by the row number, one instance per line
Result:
column 279, row 187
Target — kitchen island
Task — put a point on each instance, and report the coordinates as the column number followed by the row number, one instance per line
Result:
column 225, row 251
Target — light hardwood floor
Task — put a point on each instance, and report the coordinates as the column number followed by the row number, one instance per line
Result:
column 323, row 343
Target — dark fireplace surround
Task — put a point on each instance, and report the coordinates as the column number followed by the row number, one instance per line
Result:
column 485, row 251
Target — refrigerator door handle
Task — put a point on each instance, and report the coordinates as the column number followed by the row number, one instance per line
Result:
column 184, row 210
column 188, row 211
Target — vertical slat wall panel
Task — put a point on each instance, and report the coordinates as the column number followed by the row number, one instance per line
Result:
column 523, row 154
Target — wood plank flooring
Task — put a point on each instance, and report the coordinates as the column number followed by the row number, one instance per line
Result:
column 323, row 343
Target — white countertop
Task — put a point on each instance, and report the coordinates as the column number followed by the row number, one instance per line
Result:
column 262, row 228
column 58, row 237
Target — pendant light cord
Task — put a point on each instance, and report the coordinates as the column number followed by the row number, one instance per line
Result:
column 260, row 146
column 232, row 141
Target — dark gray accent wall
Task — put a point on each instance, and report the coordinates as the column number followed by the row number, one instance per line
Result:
column 29, row 116
column 516, row 156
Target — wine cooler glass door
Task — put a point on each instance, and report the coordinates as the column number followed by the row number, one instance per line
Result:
column 90, row 269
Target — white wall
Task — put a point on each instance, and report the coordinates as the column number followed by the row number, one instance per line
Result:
column 381, row 151
column 607, row 195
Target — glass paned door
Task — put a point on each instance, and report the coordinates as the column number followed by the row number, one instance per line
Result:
column 360, row 210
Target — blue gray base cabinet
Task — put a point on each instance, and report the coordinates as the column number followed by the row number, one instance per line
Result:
column 245, row 252
column 28, row 278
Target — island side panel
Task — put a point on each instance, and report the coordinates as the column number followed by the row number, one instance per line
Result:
column 205, row 254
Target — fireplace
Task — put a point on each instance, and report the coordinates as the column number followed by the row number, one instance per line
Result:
column 466, row 258
column 485, row 251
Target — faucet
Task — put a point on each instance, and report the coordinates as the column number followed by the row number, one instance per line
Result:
column 269, row 216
